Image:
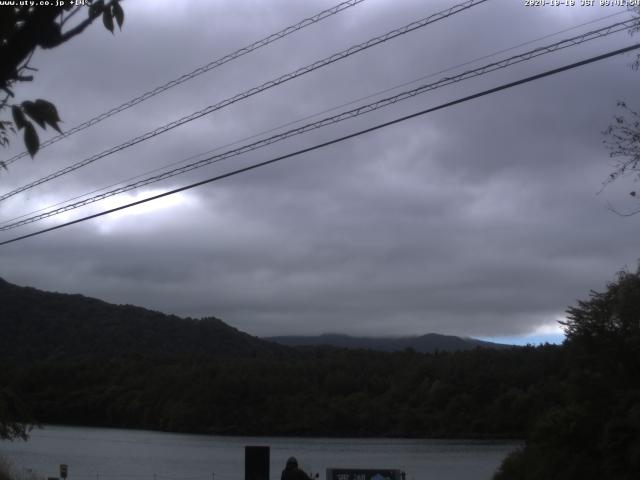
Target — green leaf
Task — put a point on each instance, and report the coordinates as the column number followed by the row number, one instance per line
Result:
column 96, row 8
column 107, row 19
column 48, row 113
column 18, row 116
column 42, row 112
column 5, row 124
column 118, row 13
column 33, row 111
column 31, row 139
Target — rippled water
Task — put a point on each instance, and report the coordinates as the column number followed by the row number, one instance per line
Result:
column 111, row 454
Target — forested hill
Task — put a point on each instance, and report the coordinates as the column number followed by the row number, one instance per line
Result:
column 38, row 325
column 577, row 404
column 429, row 343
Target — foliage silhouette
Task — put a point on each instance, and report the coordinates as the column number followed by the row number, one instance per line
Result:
column 25, row 28
column 595, row 431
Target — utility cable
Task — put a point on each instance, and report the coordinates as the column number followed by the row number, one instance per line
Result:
column 198, row 71
column 308, row 117
column 364, row 109
column 253, row 91
column 335, row 140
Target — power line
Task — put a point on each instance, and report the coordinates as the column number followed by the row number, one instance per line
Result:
column 337, row 118
column 364, row 109
column 255, row 90
column 198, row 71
column 336, row 140
column 308, row 117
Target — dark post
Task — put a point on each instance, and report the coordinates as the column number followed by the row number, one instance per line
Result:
column 256, row 463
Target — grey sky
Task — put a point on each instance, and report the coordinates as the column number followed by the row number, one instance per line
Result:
column 482, row 219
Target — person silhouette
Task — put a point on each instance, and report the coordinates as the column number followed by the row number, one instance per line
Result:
column 292, row 472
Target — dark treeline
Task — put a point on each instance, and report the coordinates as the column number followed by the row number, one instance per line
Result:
column 326, row 392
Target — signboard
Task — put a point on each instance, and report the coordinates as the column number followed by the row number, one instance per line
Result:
column 364, row 474
column 63, row 470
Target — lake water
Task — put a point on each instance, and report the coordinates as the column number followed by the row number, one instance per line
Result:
column 111, row 454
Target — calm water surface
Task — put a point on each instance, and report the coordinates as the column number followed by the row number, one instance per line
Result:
column 110, row 454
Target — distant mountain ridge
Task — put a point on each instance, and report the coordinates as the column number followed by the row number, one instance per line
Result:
column 429, row 343
column 39, row 325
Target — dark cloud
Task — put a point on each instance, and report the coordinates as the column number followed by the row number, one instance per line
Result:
column 482, row 219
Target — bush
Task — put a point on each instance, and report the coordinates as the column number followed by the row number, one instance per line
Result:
column 8, row 472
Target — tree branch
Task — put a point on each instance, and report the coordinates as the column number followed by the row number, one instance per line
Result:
column 75, row 30
column 68, row 17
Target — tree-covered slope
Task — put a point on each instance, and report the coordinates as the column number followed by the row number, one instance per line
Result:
column 39, row 325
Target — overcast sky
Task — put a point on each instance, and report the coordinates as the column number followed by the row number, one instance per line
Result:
column 482, row 219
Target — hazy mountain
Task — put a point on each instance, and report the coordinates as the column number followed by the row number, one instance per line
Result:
column 428, row 343
column 37, row 325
